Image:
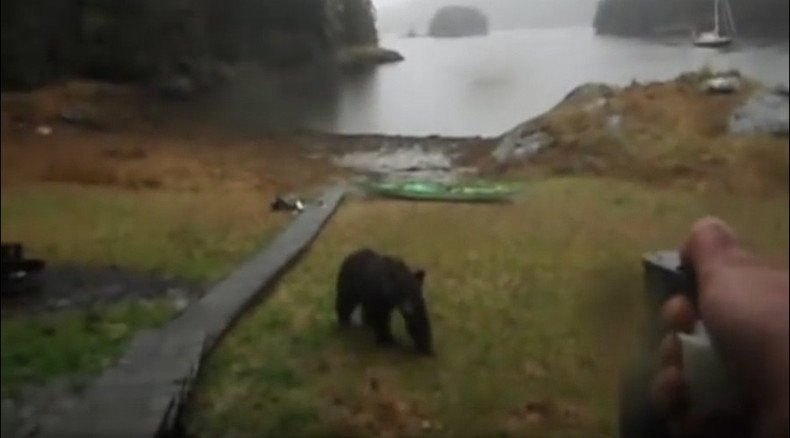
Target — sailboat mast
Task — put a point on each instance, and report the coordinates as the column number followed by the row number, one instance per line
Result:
column 728, row 9
column 716, row 17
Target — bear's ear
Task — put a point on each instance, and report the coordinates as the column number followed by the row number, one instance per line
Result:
column 419, row 275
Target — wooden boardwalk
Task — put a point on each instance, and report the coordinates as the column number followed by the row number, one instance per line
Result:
column 142, row 396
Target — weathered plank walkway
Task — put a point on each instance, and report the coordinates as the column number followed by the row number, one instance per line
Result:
column 142, row 396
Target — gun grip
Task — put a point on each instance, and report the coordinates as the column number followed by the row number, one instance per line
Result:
column 710, row 386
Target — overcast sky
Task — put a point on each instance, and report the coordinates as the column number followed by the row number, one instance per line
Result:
column 385, row 2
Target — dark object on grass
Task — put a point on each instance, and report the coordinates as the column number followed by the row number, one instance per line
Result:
column 380, row 284
column 287, row 204
column 15, row 268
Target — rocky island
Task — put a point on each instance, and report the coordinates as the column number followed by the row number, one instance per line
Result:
column 458, row 21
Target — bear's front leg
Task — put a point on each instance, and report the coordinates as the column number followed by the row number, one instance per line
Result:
column 379, row 321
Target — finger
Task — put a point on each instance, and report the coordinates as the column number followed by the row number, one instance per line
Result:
column 678, row 313
column 669, row 391
column 710, row 239
column 670, row 352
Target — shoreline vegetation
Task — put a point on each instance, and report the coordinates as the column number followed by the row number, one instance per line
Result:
column 109, row 182
column 180, row 48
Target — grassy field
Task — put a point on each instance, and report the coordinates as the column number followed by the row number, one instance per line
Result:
column 668, row 134
column 71, row 343
column 191, row 206
column 197, row 237
column 533, row 306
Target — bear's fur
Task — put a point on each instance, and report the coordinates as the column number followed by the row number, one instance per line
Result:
column 379, row 284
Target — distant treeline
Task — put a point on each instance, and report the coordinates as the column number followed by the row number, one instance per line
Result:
column 757, row 18
column 144, row 40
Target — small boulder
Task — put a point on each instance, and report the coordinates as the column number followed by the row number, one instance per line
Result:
column 721, row 85
column 589, row 93
column 530, row 145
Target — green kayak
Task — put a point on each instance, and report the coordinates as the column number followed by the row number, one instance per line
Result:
column 432, row 191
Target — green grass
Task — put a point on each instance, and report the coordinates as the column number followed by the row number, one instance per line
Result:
column 38, row 348
column 195, row 236
column 534, row 308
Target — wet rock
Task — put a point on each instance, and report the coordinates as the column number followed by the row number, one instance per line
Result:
column 532, row 144
column 721, row 85
column 592, row 92
column 522, row 143
column 402, row 163
column 765, row 113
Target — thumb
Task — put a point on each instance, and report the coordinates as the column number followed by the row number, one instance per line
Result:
column 711, row 240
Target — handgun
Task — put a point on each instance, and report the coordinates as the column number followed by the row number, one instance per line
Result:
column 710, row 386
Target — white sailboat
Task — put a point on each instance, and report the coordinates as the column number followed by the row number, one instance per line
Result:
column 716, row 38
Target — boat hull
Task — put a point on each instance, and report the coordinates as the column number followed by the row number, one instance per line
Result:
column 714, row 44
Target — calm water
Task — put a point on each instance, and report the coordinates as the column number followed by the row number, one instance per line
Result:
column 484, row 86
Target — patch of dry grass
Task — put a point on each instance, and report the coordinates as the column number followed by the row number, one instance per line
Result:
column 187, row 203
column 184, row 203
column 534, row 307
column 115, row 104
column 666, row 133
column 199, row 236
column 139, row 160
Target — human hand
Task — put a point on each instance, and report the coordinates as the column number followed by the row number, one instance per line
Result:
column 743, row 303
